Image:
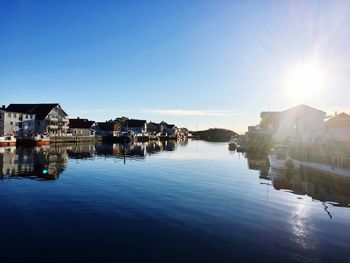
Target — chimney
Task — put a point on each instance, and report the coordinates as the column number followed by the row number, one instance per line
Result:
column 78, row 118
column 3, row 107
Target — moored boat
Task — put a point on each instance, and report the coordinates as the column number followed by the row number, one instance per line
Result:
column 35, row 139
column 7, row 140
column 232, row 145
column 279, row 157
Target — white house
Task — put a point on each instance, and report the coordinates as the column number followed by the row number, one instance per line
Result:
column 300, row 123
column 16, row 123
column 108, row 129
column 82, row 127
column 49, row 117
column 139, row 127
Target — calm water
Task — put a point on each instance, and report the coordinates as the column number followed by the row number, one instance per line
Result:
column 166, row 202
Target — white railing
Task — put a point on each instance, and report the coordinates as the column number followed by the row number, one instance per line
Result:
column 52, row 118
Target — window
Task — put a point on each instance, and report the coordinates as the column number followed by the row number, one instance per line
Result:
column 15, row 115
column 11, row 123
column 9, row 114
column 26, row 116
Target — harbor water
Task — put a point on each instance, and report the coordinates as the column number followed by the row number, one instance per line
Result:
column 192, row 201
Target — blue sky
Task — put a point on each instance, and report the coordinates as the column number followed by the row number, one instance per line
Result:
column 199, row 64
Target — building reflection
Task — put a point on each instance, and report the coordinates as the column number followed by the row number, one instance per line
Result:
column 35, row 163
column 319, row 186
column 258, row 161
column 81, row 151
column 137, row 150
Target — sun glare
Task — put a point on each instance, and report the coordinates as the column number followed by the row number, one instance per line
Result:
column 304, row 82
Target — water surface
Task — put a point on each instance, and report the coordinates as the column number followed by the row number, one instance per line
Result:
column 166, row 202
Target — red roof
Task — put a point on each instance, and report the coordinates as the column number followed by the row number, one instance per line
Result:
column 340, row 120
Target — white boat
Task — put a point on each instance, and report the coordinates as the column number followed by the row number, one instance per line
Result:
column 7, row 140
column 232, row 145
column 278, row 157
column 322, row 167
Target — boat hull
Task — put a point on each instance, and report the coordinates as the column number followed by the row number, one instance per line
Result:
column 322, row 168
column 277, row 164
column 31, row 142
column 5, row 144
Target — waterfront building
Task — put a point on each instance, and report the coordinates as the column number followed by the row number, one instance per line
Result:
column 138, row 127
column 298, row 124
column 154, row 128
column 338, row 129
column 49, row 117
column 15, row 123
column 171, row 130
column 82, row 127
column 108, row 129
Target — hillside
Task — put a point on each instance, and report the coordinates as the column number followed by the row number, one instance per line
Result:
column 215, row 135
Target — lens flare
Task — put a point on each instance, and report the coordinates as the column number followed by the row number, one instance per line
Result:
column 304, row 82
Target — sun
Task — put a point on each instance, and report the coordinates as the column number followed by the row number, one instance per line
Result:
column 304, row 82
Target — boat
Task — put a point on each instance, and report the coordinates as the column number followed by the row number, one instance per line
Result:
column 279, row 157
column 232, row 145
column 7, row 140
column 241, row 144
column 35, row 139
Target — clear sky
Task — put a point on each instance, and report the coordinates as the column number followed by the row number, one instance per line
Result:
column 198, row 64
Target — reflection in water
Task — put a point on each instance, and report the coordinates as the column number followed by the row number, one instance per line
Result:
column 319, row 186
column 47, row 162
column 35, row 163
column 136, row 150
column 171, row 200
column 323, row 187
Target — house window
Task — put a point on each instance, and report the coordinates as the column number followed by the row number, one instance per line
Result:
column 11, row 123
column 15, row 115
column 9, row 114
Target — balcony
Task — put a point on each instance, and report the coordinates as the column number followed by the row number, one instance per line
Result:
column 53, row 127
column 65, row 120
column 54, row 119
